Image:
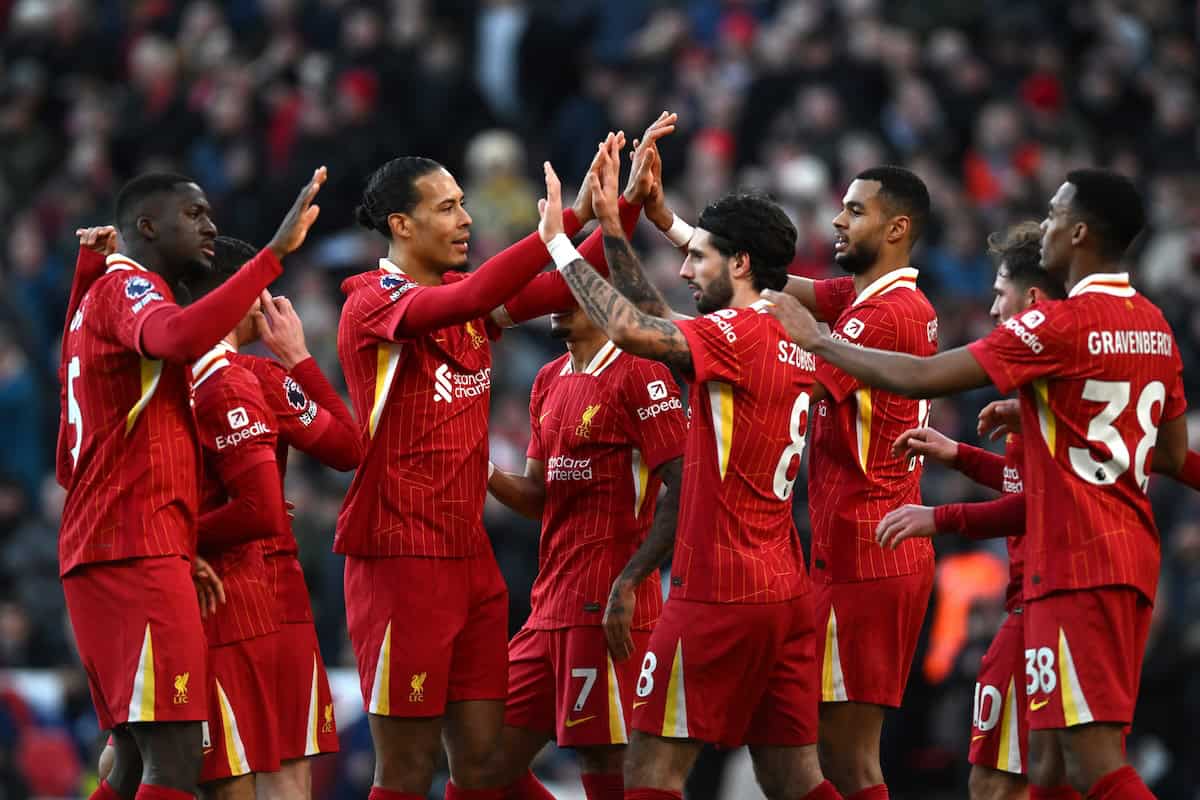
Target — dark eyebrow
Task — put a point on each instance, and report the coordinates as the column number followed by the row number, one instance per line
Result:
column 854, row 205
column 695, row 252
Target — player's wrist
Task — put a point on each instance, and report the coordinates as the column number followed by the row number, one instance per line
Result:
column 562, row 251
column 680, row 232
column 292, row 358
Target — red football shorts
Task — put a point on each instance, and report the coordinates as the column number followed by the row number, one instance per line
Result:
column 1000, row 727
column 427, row 631
column 242, row 732
column 306, row 723
column 730, row 674
column 869, row 632
column 565, row 681
column 140, row 639
column 1083, row 655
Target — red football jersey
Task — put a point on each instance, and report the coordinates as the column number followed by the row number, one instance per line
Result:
column 1014, row 484
column 854, row 480
column 750, row 395
column 237, row 432
column 300, row 421
column 1097, row 372
column 423, row 406
column 601, row 433
column 128, row 429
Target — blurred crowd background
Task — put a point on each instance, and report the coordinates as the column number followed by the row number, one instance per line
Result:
column 991, row 102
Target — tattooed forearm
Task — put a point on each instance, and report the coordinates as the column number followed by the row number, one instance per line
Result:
column 630, row 328
column 630, row 280
column 661, row 538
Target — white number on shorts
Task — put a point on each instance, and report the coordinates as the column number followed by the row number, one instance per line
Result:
column 645, row 684
column 1039, row 669
column 795, row 448
column 589, row 680
column 74, row 415
column 1115, row 396
column 983, row 694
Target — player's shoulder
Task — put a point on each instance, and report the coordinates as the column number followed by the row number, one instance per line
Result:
column 128, row 284
column 266, row 370
column 217, row 378
column 376, row 286
column 550, row 371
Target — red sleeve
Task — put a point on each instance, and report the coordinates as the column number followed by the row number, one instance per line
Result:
column 427, row 308
column 255, row 510
column 184, row 334
column 1189, row 474
column 659, row 426
column 337, row 441
column 834, row 296
column 1176, row 402
column 993, row 519
column 238, row 435
column 717, row 342
column 981, row 466
column 872, row 326
column 536, row 395
column 549, row 292
column 89, row 265
column 1030, row 346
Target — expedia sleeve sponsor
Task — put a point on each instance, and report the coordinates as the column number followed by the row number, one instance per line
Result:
column 237, row 437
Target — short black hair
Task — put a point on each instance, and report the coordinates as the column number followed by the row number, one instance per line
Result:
column 392, row 189
column 1019, row 249
column 134, row 193
column 229, row 254
column 903, row 193
column 752, row 223
column 1110, row 205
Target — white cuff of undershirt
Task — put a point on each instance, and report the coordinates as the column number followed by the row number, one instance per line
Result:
column 562, row 251
column 680, row 233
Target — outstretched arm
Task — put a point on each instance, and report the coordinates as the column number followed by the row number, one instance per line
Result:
column 939, row 375
column 630, row 328
column 618, row 615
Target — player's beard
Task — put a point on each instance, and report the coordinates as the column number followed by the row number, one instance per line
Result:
column 717, row 295
column 857, row 259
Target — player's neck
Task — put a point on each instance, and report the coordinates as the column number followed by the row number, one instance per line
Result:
column 744, row 294
column 882, row 266
column 1083, row 267
column 152, row 261
column 417, row 271
column 231, row 339
column 583, row 351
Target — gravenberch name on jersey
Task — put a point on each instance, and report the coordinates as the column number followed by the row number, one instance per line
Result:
column 565, row 468
column 1131, row 343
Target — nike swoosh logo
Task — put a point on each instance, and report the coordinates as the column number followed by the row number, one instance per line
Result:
column 571, row 723
column 977, row 738
column 640, row 703
column 1034, row 705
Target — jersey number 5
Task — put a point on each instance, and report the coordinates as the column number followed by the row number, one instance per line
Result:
column 74, row 416
column 797, row 429
column 1115, row 396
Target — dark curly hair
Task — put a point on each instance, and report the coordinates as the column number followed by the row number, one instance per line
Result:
column 751, row 223
column 1019, row 249
column 392, row 189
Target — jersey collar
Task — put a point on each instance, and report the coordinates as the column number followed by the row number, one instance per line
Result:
column 387, row 266
column 117, row 262
column 603, row 359
column 903, row 278
column 1113, row 283
column 211, row 362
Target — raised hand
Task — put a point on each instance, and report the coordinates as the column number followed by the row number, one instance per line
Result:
column 905, row 523
column 102, row 239
column 797, row 320
column 209, row 589
column 550, row 206
column 583, row 200
column 604, row 191
column 1000, row 418
column 645, row 154
column 926, row 442
column 281, row 331
column 299, row 218
column 655, row 205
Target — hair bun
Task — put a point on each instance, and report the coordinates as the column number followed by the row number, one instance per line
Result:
column 363, row 217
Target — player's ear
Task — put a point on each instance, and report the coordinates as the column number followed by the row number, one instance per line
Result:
column 741, row 265
column 145, row 226
column 400, row 225
column 898, row 229
column 1079, row 232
